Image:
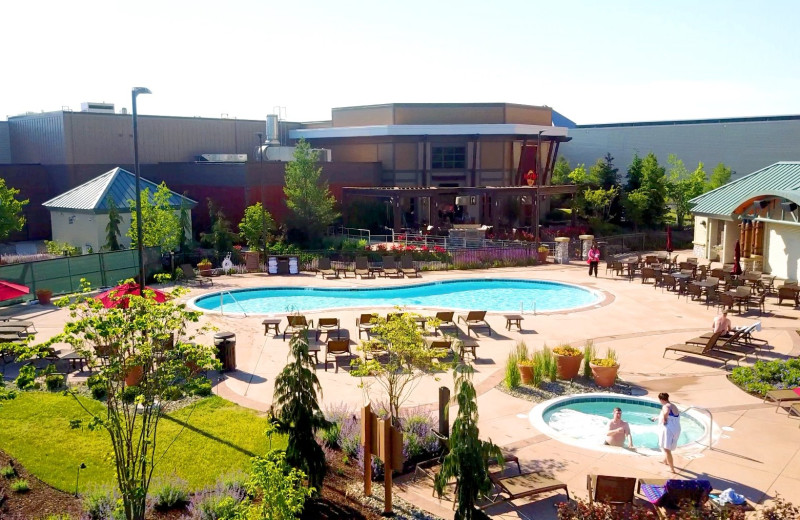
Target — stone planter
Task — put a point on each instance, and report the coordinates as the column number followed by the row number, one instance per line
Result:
column 604, row 377
column 526, row 373
column 568, row 366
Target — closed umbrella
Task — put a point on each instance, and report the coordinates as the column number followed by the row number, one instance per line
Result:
column 737, row 259
column 11, row 290
column 119, row 296
column 669, row 239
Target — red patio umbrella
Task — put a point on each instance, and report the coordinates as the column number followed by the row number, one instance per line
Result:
column 737, row 259
column 11, row 290
column 669, row 239
column 119, row 295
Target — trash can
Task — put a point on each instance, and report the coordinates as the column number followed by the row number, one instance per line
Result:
column 226, row 349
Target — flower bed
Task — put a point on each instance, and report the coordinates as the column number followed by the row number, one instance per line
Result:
column 764, row 376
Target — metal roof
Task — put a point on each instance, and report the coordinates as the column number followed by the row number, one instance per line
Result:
column 781, row 179
column 554, row 133
column 119, row 184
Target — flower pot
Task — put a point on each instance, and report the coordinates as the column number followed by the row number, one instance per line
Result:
column 542, row 255
column 526, row 373
column 568, row 366
column 134, row 375
column 604, row 377
column 44, row 297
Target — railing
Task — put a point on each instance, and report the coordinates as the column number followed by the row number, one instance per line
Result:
column 222, row 305
column 710, row 422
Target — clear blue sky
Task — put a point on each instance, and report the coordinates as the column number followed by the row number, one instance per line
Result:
column 594, row 61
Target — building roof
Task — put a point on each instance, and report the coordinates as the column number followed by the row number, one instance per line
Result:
column 119, row 184
column 781, row 179
column 548, row 132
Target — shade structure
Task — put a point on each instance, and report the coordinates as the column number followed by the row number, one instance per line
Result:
column 737, row 259
column 11, row 290
column 119, row 296
column 669, row 239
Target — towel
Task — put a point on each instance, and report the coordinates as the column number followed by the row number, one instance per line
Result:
column 729, row 496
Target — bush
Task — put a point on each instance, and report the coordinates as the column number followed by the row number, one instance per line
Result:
column 169, row 495
column 199, row 386
column 97, row 387
column 20, row 486
column 588, row 355
column 26, row 380
column 512, row 378
column 54, row 382
column 218, row 503
column 100, row 504
column 764, row 376
column 8, row 471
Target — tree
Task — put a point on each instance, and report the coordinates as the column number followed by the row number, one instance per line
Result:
column 654, row 186
column 635, row 205
column 221, row 237
column 720, row 176
column 10, row 208
column 561, row 171
column 298, row 413
column 142, row 356
column 112, row 228
column 468, row 458
column 311, row 205
column 604, row 172
column 599, row 201
column 634, row 174
column 407, row 358
column 160, row 225
column 256, row 227
column 683, row 186
column 278, row 486
column 185, row 225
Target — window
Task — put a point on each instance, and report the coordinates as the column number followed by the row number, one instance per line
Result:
column 448, row 157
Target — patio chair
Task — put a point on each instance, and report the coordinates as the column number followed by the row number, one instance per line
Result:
column 324, row 268
column 336, row 348
column 759, row 301
column 475, row 319
column 441, row 347
column 706, row 350
column 364, row 323
column 297, row 323
column 371, row 347
column 787, row 293
column 508, row 489
column 407, row 266
column 768, row 284
column 695, row 292
column 610, row 490
column 327, row 325
column 446, row 320
column 648, row 273
column 362, row 267
column 390, row 268
column 190, row 276
column 779, row 396
column 430, row 468
column 725, row 301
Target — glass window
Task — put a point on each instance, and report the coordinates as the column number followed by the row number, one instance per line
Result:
column 448, row 157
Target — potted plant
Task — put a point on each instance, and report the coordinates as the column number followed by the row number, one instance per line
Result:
column 542, row 252
column 526, row 370
column 44, row 295
column 568, row 361
column 204, row 266
column 604, row 370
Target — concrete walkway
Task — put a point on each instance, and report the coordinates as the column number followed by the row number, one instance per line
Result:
column 757, row 453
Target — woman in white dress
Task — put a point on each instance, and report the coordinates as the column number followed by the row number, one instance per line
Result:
column 669, row 428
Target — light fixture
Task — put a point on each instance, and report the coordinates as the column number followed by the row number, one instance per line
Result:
column 760, row 204
column 788, row 206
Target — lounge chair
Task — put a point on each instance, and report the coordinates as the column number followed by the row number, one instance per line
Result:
column 440, row 346
column 336, row 348
column 795, row 409
column 407, row 266
column 362, row 267
column 190, row 276
column 667, row 496
column 708, row 350
column 523, row 485
column 372, row 347
column 474, row 319
column 390, row 268
column 779, row 396
column 610, row 490
column 327, row 325
column 747, row 335
column 298, row 323
column 13, row 329
column 14, row 321
column 364, row 323
column 324, row 268
column 446, row 319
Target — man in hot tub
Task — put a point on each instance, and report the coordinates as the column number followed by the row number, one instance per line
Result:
column 618, row 431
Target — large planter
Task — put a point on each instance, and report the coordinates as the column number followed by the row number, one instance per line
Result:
column 526, row 373
column 542, row 256
column 134, row 375
column 204, row 269
column 568, row 366
column 44, row 296
column 604, row 377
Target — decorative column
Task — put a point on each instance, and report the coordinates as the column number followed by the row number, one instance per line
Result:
column 747, row 245
column 742, row 243
column 586, row 244
column 758, row 263
column 758, row 238
column 562, row 250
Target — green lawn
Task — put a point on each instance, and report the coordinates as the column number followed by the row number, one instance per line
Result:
column 219, row 438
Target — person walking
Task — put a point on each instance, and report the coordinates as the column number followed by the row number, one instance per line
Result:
column 593, row 259
column 669, row 428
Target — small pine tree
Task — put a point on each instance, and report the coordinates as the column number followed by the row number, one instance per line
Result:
column 298, row 413
column 112, row 228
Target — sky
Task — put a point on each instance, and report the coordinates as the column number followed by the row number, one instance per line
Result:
column 594, row 61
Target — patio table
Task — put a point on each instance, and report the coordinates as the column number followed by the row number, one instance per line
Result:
column 706, row 287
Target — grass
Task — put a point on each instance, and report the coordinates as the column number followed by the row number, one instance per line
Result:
column 220, row 437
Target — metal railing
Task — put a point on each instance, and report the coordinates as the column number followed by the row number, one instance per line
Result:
column 710, row 423
column 222, row 305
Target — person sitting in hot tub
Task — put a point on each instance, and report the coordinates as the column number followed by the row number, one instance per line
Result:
column 618, row 431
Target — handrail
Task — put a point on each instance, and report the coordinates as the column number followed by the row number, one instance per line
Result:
column 222, row 306
column 710, row 424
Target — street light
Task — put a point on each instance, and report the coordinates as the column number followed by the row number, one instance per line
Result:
column 78, row 477
column 140, row 246
column 538, row 185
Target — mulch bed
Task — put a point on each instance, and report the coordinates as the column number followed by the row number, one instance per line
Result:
column 38, row 502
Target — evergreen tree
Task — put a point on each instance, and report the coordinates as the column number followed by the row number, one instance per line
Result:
column 654, row 185
column 10, row 208
column 112, row 228
column 634, row 174
column 298, row 414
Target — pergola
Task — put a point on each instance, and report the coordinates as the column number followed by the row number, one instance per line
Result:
column 488, row 198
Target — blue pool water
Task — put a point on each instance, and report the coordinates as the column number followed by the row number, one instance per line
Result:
column 496, row 295
column 586, row 419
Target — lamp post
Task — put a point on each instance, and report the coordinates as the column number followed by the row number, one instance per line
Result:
column 78, row 477
column 140, row 246
column 538, row 185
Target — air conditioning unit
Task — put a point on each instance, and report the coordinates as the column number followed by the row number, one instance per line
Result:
column 100, row 108
column 465, row 200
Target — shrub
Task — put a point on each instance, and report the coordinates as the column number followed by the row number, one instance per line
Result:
column 172, row 393
column 100, row 504
column 221, row 502
column 26, row 380
column 764, row 376
column 8, row 471
column 20, row 486
column 512, row 378
column 200, row 386
column 169, row 495
column 54, row 382
column 97, row 387
column 588, row 354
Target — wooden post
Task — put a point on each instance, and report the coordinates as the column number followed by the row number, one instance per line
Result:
column 444, row 411
column 367, row 439
column 385, row 453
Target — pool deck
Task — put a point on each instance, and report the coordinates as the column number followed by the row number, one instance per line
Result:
column 758, row 453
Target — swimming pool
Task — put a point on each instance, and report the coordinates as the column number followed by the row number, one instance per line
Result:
column 491, row 294
column 582, row 420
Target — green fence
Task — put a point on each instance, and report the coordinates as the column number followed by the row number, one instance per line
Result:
column 63, row 275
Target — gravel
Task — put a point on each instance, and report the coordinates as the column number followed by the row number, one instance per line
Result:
column 549, row 390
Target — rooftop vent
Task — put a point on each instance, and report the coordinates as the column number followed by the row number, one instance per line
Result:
column 100, row 108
